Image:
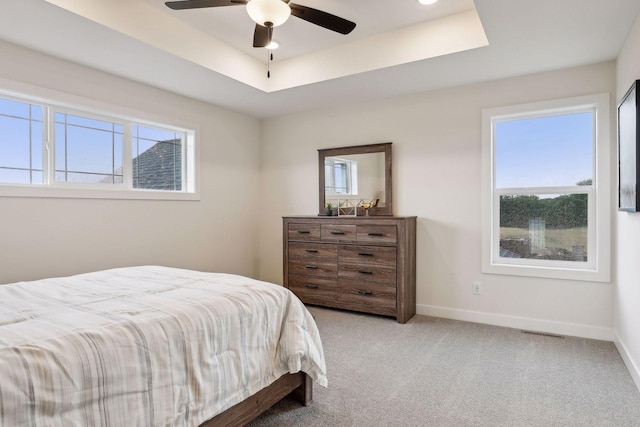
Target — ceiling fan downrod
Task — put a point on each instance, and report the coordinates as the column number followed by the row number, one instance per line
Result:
column 268, row 14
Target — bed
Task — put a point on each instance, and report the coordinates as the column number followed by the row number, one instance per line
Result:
column 152, row 346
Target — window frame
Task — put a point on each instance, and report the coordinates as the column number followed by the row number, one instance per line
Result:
column 50, row 146
column 55, row 102
column 597, row 267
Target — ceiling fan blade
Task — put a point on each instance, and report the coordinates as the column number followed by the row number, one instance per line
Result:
column 262, row 36
column 323, row 19
column 196, row 4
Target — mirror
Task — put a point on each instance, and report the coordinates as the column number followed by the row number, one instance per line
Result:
column 349, row 175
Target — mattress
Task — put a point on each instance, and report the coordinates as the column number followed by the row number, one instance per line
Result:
column 146, row 346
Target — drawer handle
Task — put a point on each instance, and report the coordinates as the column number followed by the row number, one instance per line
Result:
column 311, row 267
column 364, row 254
column 376, row 234
column 339, row 233
column 310, row 286
column 363, row 292
column 365, row 272
column 312, row 251
column 303, row 232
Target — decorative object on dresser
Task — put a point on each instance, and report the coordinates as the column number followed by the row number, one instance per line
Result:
column 347, row 208
column 348, row 175
column 363, row 263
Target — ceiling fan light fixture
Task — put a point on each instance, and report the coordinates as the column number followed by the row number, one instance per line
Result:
column 273, row 45
column 275, row 12
column 427, row 2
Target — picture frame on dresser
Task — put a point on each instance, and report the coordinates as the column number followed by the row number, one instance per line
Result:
column 629, row 150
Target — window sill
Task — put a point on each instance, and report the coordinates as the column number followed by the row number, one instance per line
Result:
column 91, row 193
column 547, row 272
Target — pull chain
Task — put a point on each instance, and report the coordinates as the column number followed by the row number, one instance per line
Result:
column 269, row 59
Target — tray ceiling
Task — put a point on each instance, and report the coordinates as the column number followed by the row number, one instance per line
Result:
column 398, row 47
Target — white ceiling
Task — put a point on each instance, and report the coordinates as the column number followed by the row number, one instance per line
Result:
column 398, row 47
column 233, row 26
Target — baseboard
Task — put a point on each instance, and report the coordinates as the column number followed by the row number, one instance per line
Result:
column 559, row 328
column 633, row 368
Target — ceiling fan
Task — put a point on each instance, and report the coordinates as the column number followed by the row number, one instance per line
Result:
column 268, row 14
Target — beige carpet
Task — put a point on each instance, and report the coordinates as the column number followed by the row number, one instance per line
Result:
column 436, row 372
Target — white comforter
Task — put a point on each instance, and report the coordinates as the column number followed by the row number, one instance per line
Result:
column 146, row 346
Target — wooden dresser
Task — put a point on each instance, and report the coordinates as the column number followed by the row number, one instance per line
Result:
column 360, row 263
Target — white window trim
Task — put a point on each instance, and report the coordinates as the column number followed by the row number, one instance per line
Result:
column 600, row 198
column 84, row 106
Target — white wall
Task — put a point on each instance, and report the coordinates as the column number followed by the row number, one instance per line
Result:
column 436, row 154
column 237, row 222
column 42, row 237
column 627, row 267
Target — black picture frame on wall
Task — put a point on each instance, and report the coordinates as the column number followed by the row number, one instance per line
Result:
column 629, row 150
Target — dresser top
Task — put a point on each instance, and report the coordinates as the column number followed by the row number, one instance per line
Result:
column 348, row 217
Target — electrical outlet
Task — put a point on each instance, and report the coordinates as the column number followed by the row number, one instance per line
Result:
column 477, row 288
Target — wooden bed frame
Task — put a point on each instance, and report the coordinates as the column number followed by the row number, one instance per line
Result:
column 299, row 386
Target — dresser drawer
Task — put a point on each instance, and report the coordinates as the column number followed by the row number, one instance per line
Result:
column 367, row 294
column 377, row 234
column 312, row 251
column 313, row 290
column 300, row 231
column 313, row 267
column 338, row 233
column 368, row 272
column 367, row 255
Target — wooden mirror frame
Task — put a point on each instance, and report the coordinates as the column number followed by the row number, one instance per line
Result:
column 359, row 149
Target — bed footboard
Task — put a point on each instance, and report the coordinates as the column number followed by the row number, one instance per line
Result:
column 299, row 386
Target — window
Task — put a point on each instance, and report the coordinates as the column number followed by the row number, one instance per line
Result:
column 88, row 150
column 71, row 152
column 21, row 136
column 157, row 159
column 341, row 176
column 546, row 189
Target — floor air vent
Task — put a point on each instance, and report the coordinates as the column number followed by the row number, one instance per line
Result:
column 544, row 334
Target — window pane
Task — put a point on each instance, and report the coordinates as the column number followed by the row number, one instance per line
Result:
column 37, row 134
column 84, row 122
column 21, row 139
column 15, row 176
column 157, row 159
column 88, row 178
column 14, row 108
column 36, row 113
column 548, row 227
column 87, row 150
column 545, row 151
column 337, row 175
column 14, row 142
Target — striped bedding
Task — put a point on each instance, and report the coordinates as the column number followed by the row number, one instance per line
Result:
column 146, row 346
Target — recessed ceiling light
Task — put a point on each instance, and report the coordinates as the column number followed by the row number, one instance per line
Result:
column 427, row 1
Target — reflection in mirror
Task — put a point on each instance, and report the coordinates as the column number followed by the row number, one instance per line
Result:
column 358, row 175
